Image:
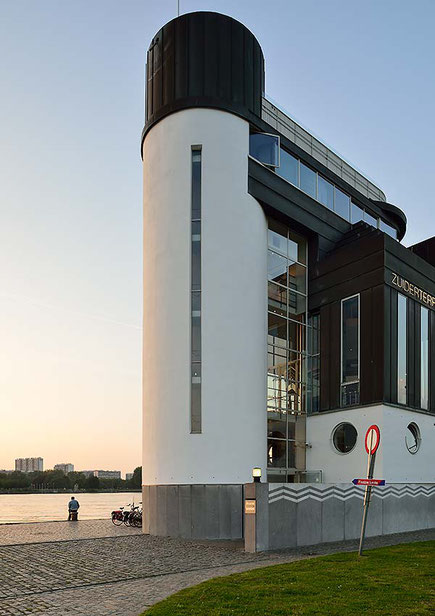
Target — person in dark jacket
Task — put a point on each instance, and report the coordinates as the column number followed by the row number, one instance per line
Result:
column 73, row 507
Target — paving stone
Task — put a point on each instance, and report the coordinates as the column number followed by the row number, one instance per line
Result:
column 40, row 532
column 119, row 571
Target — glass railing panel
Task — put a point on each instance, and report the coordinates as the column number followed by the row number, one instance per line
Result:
column 370, row 219
column 341, row 204
column 357, row 214
column 288, row 168
column 308, row 180
column 325, row 193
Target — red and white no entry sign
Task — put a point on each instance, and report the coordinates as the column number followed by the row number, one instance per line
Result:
column 372, row 440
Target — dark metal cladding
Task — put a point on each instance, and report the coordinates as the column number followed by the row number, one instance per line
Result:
column 396, row 216
column 204, row 59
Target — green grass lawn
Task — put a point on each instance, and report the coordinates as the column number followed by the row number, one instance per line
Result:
column 395, row 580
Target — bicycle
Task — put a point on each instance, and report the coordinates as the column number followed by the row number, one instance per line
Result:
column 118, row 516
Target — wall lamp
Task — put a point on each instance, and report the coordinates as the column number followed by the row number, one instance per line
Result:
column 256, row 474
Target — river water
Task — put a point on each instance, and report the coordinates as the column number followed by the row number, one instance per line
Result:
column 48, row 507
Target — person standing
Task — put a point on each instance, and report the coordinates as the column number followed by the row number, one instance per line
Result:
column 73, row 507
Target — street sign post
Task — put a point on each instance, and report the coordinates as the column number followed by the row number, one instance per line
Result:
column 372, row 440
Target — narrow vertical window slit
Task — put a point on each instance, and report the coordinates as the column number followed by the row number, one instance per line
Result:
column 195, row 294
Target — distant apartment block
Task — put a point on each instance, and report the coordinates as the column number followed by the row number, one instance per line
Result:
column 108, row 474
column 64, row 467
column 29, row 465
column 103, row 474
column 128, row 476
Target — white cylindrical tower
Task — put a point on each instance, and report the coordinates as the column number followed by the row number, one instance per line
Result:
column 233, row 311
column 205, row 277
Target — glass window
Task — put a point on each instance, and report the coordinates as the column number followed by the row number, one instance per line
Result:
column 195, row 405
column 276, row 453
column 195, row 319
column 344, row 437
column 326, row 192
column 265, row 148
column 296, row 336
column 287, row 358
column 341, row 204
column 277, row 242
column 357, row 213
column 297, row 248
column 196, row 338
column 196, row 372
column 277, row 296
column 288, row 167
column 276, row 393
column 277, row 330
column 350, row 350
column 295, row 367
column 276, row 425
column 349, row 394
column 308, row 180
column 412, row 438
column 196, row 265
column 297, row 277
column 297, row 304
column 313, row 368
column 291, row 461
column 424, row 364
column 276, row 360
column 401, row 347
column 370, row 219
column 277, row 237
column 277, row 268
column 296, row 397
column 196, row 184
column 196, row 303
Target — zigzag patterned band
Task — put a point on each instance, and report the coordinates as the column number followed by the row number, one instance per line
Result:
column 316, row 493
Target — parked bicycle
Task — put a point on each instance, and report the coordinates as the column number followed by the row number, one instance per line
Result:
column 129, row 517
column 118, row 516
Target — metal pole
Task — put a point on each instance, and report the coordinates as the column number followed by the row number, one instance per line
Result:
column 178, row 5
column 367, row 493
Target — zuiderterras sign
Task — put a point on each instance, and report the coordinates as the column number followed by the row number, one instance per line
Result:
column 413, row 290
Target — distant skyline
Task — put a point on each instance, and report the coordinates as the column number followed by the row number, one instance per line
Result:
column 359, row 76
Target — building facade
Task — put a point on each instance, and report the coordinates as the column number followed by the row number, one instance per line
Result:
column 107, row 474
column 65, row 467
column 101, row 474
column 282, row 315
column 29, row 465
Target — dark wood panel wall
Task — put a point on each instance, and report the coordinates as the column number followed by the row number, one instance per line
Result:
column 362, row 265
column 372, row 346
column 432, row 361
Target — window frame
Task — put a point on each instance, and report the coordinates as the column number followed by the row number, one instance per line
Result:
column 401, row 340
column 425, row 352
column 269, row 166
column 358, row 295
column 358, row 380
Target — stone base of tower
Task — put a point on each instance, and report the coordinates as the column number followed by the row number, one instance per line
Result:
column 208, row 511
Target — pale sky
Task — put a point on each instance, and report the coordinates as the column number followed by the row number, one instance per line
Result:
column 358, row 75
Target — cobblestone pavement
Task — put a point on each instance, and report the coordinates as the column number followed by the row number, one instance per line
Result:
column 122, row 575
column 41, row 532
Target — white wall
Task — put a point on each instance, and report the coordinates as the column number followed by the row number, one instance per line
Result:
column 394, row 463
column 234, row 304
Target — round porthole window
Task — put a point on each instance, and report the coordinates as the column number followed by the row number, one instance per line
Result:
column 412, row 438
column 344, row 437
